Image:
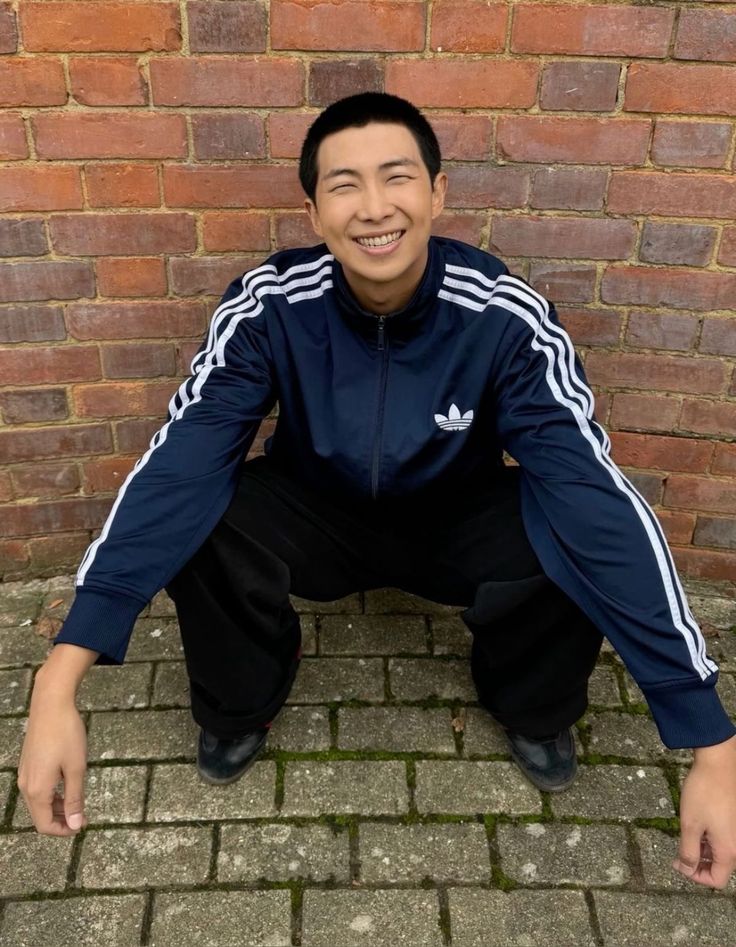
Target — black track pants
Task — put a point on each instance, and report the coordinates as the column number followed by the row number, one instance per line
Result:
column 533, row 649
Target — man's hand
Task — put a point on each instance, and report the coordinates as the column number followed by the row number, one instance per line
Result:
column 708, row 817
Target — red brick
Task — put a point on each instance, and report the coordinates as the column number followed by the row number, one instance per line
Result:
column 603, row 30
column 227, row 135
column 8, row 29
column 672, row 194
column 286, row 133
column 257, row 186
column 469, row 26
column 677, row 525
column 645, row 412
column 22, row 238
column 463, row 137
column 572, row 140
column 691, row 144
column 194, row 276
column 715, row 531
column 661, row 453
column 382, row 25
column 727, row 253
column 114, row 81
column 679, row 288
column 100, row 27
column 122, row 185
column 35, row 404
column 564, row 282
column 14, row 558
column 465, row 227
column 6, row 488
column 134, row 435
column 218, row 27
column 131, row 277
column 656, row 372
column 136, row 320
column 58, row 188
column 673, row 88
column 706, row 34
column 719, row 335
column 51, row 555
column 32, row 82
column 569, row 188
column 106, row 475
column 701, row 493
column 53, row 517
column 592, row 326
column 13, row 143
column 481, row 186
column 110, row 135
column 31, row 323
column 185, row 352
column 705, row 563
column 333, row 78
column 50, row 279
column 294, row 230
column 679, row 244
column 214, row 81
column 66, row 440
column 119, row 234
column 590, row 238
column 46, row 480
column 724, row 459
column 582, row 86
column 138, row 360
column 235, row 231
column 657, row 330
column 121, row 400
column 650, row 485
column 709, row 417
column 43, row 365
column 464, row 83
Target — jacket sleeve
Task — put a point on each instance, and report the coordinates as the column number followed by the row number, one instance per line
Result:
column 182, row 485
column 594, row 534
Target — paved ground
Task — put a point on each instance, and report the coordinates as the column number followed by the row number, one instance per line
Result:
column 386, row 811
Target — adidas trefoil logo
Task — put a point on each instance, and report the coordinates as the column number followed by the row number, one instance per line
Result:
column 454, row 420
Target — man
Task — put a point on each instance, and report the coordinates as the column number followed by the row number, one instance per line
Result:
column 403, row 366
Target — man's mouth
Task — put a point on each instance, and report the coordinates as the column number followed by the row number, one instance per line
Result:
column 383, row 241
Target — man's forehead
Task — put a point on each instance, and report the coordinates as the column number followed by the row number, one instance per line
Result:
column 389, row 144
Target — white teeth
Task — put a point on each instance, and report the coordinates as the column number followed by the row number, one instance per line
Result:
column 379, row 241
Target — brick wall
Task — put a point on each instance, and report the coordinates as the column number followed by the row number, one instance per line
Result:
column 147, row 156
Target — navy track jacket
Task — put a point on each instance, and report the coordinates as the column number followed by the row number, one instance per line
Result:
column 424, row 399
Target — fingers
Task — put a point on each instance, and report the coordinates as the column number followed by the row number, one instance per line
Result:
column 707, row 870
column 690, row 852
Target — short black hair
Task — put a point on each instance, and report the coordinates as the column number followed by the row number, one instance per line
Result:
column 357, row 111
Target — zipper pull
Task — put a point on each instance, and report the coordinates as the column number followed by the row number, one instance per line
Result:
column 381, row 323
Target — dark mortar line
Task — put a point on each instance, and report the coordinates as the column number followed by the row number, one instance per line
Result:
column 411, row 783
column 593, row 917
column 147, row 919
column 354, row 859
column 279, row 788
column 445, row 921
column 332, row 720
column 499, row 879
column 215, row 853
column 10, row 806
column 387, row 692
column 151, row 681
column 297, row 913
column 75, row 857
column 147, row 789
column 317, row 637
column 634, row 858
column 429, row 635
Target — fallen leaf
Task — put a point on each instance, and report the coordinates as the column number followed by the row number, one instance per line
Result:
column 49, row 627
column 56, row 602
column 458, row 723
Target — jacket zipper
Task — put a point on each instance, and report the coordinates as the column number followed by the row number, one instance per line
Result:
column 383, row 346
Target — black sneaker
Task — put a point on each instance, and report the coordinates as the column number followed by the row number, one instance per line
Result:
column 224, row 761
column 549, row 763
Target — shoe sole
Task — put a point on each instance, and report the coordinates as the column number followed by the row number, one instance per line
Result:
column 558, row 787
column 215, row 781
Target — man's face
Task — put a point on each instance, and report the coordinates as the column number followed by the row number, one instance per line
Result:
column 374, row 208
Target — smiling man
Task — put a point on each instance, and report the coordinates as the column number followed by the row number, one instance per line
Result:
column 404, row 365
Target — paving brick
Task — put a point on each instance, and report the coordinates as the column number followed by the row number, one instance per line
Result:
column 619, row 793
column 178, row 793
column 31, row 863
column 7, row 782
column 630, row 735
column 109, row 687
column 279, row 851
column 352, row 918
column 155, row 639
column 301, row 730
column 398, row 729
column 350, row 605
column 115, row 920
column 650, row 920
column 603, row 688
column 481, row 734
column 633, row 691
column 727, row 692
column 12, row 730
column 18, row 604
column 142, row 734
column 452, row 852
column 450, row 635
column 323, row 679
column 469, row 788
column 375, row 788
column 15, row 688
column 171, row 685
column 372, row 634
column 21, row 645
column 481, row 918
column 162, row 606
column 420, row 678
column 561, row 854
column 117, row 858
column 214, row 918
column 657, row 850
column 385, row 601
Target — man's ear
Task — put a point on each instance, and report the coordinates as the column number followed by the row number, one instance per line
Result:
column 439, row 189
column 311, row 209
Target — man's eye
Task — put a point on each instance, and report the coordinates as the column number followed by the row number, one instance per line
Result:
column 339, row 187
column 400, row 177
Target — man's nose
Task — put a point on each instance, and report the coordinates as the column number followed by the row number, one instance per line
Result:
column 375, row 204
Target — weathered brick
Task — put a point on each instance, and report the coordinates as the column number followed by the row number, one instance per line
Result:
column 727, row 253
column 53, row 517
column 57, row 188
column 468, row 26
column 661, row 453
column 700, row 493
column 333, row 78
column 708, row 417
column 679, row 288
column 32, row 81
column 208, row 275
column 630, row 736
column 215, row 81
column 141, row 735
column 708, row 564
column 233, row 230
column 114, row 858
column 672, row 194
column 217, row 27
column 568, row 188
column 14, row 557
column 131, row 277
column 258, row 186
column 41, row 364
column 371, row 788
column 177, row 793
column 102, row 81
column 572, row 140
column 421, row 678
column 326, row 679
column 134, row 436
column 113, row 235
column 222, row 135
column 80, row 27
column 31, row 323
column 685, row 244
column 279, row 852
column 396, row 729
column 15, row 690
column 67, row 441
column 616, row 792
column 592, row 30
column 678, row 526
column 584, row 237
column 46, row 480
column 580, row 86
column 372, row 634
column 106, row 475
column 481, row 735
column 486, row 787
column 463, row 138
column 156, row 639
column 662, row 330
column 73, row 920
column 480, row 186
column 115, row 688
column 222, row 917
column 706, row 34
column 110, row 135
column 564, row 282
column 672, row 88
column 591, row 326
column 301, row 730
column 286, row 132
column 724, row 459
column 715, row 531
column 661, row 918
column 142, row 360
column 691, row 144
column 294, row 230
column 136, row 320
column 13, row 143
column 33, row 863
column 8, row 29
column 464, row 83
column 718, row 335
column 122, row 185
column 389, row 26
column 20, row 645
column 466, row 227
column 122, row 400
column 22, row 238
column 50, row 279
column 656, row 372
column 410, row 853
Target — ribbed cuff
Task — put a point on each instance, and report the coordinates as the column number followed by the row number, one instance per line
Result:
column 102, row 622
column 689, row 716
